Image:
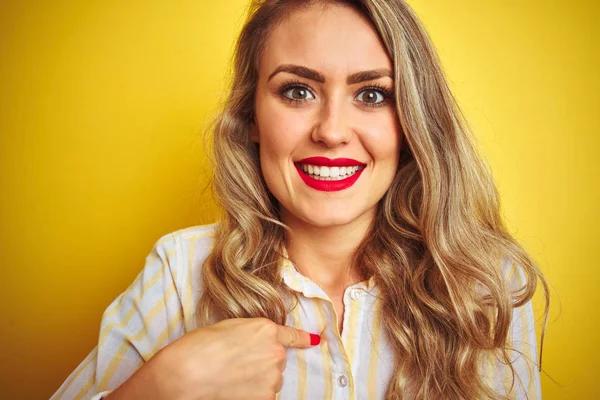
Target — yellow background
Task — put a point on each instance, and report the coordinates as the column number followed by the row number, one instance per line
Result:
column 101, row 109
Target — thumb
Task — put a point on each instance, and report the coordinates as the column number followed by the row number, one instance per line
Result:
column 291, row 337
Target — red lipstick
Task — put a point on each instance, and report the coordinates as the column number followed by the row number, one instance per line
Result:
column 329, row 186
column 328, row 162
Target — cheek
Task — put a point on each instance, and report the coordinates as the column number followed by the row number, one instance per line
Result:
column 282, row 129
column 383, row 139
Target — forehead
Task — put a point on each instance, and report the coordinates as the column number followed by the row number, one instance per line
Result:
column 335, row 40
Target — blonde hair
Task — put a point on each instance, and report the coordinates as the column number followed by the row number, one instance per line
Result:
column 437, row 239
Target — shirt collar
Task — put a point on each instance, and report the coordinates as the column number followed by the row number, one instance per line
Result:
column 300, row 283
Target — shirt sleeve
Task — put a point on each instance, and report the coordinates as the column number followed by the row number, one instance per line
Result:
column 522, row 349
column 136, row 325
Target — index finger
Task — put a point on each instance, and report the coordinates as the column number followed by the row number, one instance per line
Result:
column 296, row 338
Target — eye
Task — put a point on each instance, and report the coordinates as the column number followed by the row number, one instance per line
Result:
column 297, row 93
column 371, row 96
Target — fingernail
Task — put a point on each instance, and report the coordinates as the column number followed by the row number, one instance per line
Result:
column 314, row 339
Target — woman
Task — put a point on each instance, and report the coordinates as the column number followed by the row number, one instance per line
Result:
column 360, row 254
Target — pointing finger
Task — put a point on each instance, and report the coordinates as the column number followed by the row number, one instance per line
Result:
column 296, row 338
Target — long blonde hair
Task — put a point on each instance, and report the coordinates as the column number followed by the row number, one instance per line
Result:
column 435, row 246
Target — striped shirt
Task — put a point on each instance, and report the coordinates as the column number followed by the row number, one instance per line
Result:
column 159, row 307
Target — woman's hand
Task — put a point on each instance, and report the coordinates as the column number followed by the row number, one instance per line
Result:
column 240, row 358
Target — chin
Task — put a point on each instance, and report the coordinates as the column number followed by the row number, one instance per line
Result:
column 324, row 219
column 327, row 214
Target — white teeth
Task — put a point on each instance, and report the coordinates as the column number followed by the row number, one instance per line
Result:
column 329, row 173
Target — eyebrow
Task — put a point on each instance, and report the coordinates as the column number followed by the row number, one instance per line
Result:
column 315, row 75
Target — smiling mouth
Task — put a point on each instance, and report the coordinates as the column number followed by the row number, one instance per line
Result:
column 327, row 173
column 339, row 178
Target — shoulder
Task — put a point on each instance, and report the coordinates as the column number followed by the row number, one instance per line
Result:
column 522, row 339
column 192, row 241
column 185, row 248
column 191, row 233
column 514, row 275
column 510, row 272
column 183, row 253
column 198, row 237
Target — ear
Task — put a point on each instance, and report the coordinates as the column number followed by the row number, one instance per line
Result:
column 254, row 135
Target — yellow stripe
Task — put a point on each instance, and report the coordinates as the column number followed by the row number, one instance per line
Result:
column 85, row 389
column 160, row 342
column 164, row 336
column 344, row 353
column 120, row 354
column 510, row 274
column 530, row 389
column 113, row 365
column 150, row 259
column 125, row 320
column 526, row 346
column 507, row 377
column 114, row 310
column 489, row 368
column 159, row 307
column 325, row 356
column 375, row 348
column 151, row 282
column 77, row 372
column 188, row 306
column 352, row 333
column 296, row 318
column 116, row 307
column 187, row 297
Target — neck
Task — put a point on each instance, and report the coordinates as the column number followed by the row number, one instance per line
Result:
column 324, row 254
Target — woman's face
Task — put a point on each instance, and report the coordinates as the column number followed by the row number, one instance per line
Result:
column 326, row 90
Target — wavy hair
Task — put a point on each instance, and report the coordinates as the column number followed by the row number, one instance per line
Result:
column 435, row 246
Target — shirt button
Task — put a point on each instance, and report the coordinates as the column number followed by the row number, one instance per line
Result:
column 355, row 293
column 342, row 380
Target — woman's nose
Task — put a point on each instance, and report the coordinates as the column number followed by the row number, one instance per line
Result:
column 332, row 127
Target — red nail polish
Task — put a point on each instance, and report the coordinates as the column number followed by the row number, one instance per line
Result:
column 314, row 339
